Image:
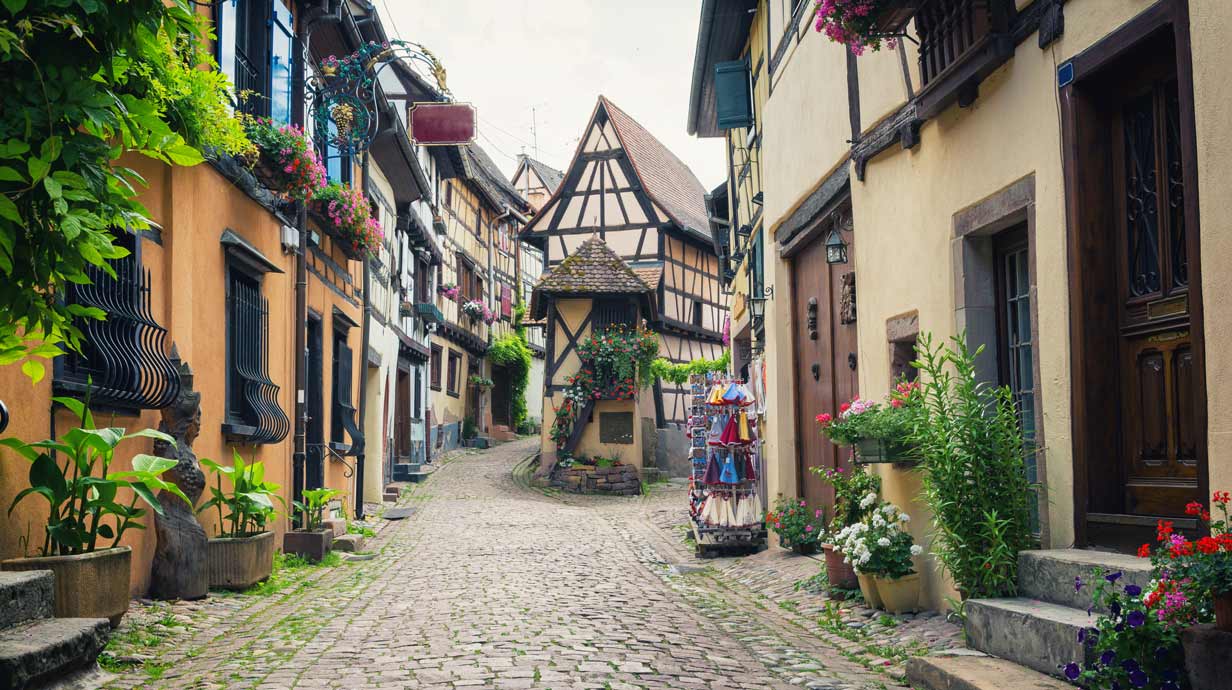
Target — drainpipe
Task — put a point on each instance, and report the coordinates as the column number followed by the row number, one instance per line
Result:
column 299, row 457
column 366, row 329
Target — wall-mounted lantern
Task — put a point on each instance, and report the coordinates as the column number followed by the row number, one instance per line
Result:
column 836, row 248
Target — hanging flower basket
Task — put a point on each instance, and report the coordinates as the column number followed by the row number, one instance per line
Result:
column 864, row 24
column 346, row 216
column 286, row 161
column 478, row 311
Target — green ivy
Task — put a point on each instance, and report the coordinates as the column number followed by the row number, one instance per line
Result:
column 679, row 373
column 510, row 351
column 87, row 82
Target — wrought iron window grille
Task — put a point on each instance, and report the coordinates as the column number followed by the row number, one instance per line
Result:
column 122, row 360
column 254, row 415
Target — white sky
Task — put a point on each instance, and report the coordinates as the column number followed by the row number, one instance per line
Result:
column 556, row 56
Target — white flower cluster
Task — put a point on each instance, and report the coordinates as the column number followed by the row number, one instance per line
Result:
column 881, row 536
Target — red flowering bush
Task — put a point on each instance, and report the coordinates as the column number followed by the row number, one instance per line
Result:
column 287, row 162
column 615, row 363
column 796, row 523
column 1202, row 567
column 348, row 217
column 859, row 420
column 853, row 23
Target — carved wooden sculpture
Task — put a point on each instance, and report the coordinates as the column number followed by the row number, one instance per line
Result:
column 179, row 569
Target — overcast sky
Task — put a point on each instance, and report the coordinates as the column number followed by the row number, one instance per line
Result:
column 555, row 57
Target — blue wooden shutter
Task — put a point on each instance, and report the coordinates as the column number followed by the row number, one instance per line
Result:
column 282, row 54
column 733, row 100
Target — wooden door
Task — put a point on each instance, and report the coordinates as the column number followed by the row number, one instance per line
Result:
column 501, row 396
column 824, row 352
column 1159, row 442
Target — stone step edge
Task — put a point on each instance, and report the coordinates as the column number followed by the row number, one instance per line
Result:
column 976, row 671
column 1048, row 575
column 37, row 652
column 1056, row 628
column 26, row 596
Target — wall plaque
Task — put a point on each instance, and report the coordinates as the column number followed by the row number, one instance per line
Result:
column 616, row 427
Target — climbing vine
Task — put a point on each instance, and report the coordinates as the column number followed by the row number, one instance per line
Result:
column 510, row 351
column 679, row 373
column 87, row 82
column 615, row 363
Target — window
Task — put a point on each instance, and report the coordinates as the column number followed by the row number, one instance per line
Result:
column 342, row 417
column 506, row 301
column 1015, row 346
column 423, row 277
column 612, row 312
column 253, row 415
column 435, row 375
column 337, row 164
column 122, row 360
column 255, row 49
column 697, row 313
column 455, row 362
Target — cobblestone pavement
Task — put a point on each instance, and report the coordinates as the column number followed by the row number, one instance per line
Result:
column 492, row 583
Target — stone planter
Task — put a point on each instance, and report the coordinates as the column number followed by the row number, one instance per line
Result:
column 868, row 587
column 1207, row 650
column 241, row 562
column 620, row 480
column 1223, row 611
column 839, row 572
column 312, row 546
column 901, row 595
column 88, row 585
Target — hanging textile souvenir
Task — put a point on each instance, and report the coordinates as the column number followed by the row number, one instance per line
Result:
column 711, row 476
column 750, row 473
column 743, row 426
column 715, row 436
column 728, row 474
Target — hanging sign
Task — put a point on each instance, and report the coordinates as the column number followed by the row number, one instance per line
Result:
column 442, row 124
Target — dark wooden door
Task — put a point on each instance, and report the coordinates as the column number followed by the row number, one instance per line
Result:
column 501, row 396
column 1159, row 441
column 314, row 400
column 824, row 352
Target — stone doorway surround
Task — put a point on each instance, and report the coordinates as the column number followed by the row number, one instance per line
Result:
column 975, row 309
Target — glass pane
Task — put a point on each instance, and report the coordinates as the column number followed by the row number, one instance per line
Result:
column 281, row 58
column 1141, row 198
column 1176, row 188
column 228, row 14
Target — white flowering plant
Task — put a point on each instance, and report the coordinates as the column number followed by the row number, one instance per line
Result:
column 879, row 544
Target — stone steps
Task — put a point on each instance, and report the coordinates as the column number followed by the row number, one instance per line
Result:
column 349, row 542
column 25, row 596
column 976, row 672
column 1049, row 575
column 1037, row 634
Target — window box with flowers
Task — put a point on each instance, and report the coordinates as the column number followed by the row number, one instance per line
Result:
column 448, row 291
column 960, row 41
column 286, row 161
column 481, row 382
column 346, row 216
column 478, row 311
column 878, row 431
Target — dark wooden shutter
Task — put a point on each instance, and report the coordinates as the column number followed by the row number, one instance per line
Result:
column 732, row 95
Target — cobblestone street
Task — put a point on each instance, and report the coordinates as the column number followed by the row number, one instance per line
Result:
column 492, row 583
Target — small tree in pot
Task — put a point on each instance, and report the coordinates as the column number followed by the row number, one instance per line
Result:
column 87, row 510
column 243, row 553
column 313, row 541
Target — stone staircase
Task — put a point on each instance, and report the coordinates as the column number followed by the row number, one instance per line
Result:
column 36, row 649
column 410, row 472
column 1023, row 642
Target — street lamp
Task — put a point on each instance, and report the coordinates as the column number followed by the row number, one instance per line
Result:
column 836, row 248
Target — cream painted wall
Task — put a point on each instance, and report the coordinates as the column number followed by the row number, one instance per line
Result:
column 1212, row 53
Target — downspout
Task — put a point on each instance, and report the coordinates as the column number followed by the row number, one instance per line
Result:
column 366, row 331
column 298, row 115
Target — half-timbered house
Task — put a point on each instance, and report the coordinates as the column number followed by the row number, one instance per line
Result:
column 635, row 195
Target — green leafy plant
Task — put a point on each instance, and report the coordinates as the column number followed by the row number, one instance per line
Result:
column 512, row 352
column 481, row 381
column 83, row 494
column 973, row 470
column 1137, row 643
column 851, row 490
column 615, row 362
column 680, row 373
column 77, row 99
column 470, row 429
column 249, row 503
column 879, row 544
column 796, row 523
column 312, row 508
column 858, row 420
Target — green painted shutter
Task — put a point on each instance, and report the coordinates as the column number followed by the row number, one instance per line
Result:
column 733, row 101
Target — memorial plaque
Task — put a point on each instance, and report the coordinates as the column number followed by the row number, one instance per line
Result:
column 616, row 427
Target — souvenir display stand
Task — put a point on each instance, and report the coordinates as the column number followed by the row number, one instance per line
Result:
column 725, row 503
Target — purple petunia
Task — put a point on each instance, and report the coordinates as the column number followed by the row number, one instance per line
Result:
column 1135, row 619
column 1077, row 584
column 1113, row 577
column 1072, row 671
column 1138, row 679
column 1130, row 665
column 1133, row 590
column 1107, row 657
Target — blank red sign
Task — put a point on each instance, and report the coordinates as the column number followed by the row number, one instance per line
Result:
column 436, row 124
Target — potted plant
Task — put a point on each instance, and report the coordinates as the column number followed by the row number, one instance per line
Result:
column 798, row 526
column 346, row 216
column 448, row 291
column 879, row 432
column 88, row 514
column 1203, row 567
column 243, row 552
column 863, row 24
column 880, row 549
column 477, row 311
column 286, row 160
column 313, row 540
column 851, row 486
column 480, row 381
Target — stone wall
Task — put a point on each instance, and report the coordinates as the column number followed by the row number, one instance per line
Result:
column 618, row 480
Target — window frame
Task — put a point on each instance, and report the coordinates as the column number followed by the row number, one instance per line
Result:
column 453, row 374
column 435, row 366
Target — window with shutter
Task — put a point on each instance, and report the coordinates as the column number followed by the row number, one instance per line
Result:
column 434, row 379
column 506, row 299
column 732, row 93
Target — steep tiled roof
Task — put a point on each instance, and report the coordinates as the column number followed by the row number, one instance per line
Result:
column 664, row 176
column 650, row 274
column 481, row 169
column 550, row 176
column 593, row 269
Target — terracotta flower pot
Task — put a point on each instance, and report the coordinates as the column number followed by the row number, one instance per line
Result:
column 1223, row 611
column 88, row 585
column 241, row 562
column 901, row 595
column 312, row 546
column 868, row 587
column 839, row 572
